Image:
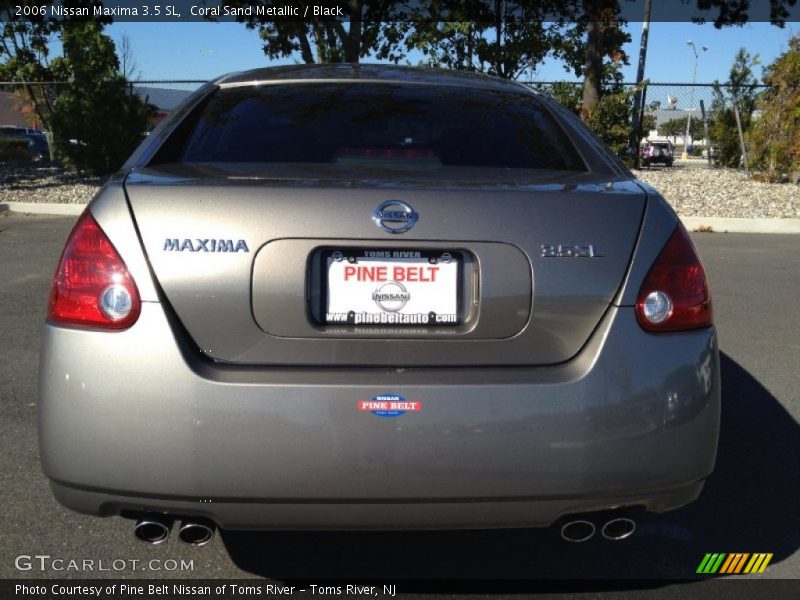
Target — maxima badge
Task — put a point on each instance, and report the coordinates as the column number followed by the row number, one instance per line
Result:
column 395, row 216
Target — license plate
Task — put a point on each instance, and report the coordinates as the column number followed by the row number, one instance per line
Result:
column 392, row 287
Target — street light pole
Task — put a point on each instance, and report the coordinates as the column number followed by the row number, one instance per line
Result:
column 691, row 98
column 638, row 99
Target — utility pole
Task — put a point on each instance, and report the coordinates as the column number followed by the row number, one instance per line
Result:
column 691, row 101
column 741, row 136
column 638, row 98
column 705, row 131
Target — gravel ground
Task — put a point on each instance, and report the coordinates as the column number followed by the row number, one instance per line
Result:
column 694, row 191
column 697, row 191
column 26, row 182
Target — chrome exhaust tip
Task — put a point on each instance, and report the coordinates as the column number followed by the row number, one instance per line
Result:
column 578, row 530
column 151, row 531
column 195, row 533
column 619, row 529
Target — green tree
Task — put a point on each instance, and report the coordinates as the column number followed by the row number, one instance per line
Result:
column 740, row 89
column 648, row 123
column 96, row 121
column 499, row 38
column 447, row 44
column 590, row 44
column 604, row 40
column 568, row 94
column 611, row 120
column 370, row 28
column 25, row 54
column 677, row 127
column 775, row 135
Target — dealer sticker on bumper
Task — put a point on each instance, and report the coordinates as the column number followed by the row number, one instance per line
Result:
column 389, row 405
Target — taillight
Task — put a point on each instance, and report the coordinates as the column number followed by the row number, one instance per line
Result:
column 92, row 285
column 674, row 295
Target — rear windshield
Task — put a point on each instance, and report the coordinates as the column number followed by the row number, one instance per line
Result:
column 412, row 126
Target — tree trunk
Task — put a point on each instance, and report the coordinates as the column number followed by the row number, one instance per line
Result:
column 470, row 46
column 592, row 66
column 319, row 43
column 352, row 43
column 44, row 123
column 498, row 32
column 305, row 47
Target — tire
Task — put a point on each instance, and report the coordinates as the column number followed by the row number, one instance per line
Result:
column 669, row 163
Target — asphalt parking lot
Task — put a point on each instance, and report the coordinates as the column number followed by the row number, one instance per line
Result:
column 749, row 505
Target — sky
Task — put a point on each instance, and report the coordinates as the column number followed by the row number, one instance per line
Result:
column 206, row 50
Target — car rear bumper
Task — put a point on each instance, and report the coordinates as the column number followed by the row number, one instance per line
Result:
column 370, row 515
column 134, row 421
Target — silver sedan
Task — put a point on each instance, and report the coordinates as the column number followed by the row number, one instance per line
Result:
column 369, row 297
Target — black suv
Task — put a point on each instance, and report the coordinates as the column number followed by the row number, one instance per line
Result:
column 657, row 152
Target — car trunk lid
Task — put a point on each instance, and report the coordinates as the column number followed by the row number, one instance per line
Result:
column 243, row 257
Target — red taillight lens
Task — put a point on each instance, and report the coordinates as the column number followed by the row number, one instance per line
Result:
column 674, row 295
column 92, row 285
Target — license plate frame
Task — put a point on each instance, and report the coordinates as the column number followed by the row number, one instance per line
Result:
column 388, row 309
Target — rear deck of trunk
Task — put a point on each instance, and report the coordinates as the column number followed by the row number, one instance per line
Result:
column 242, row 262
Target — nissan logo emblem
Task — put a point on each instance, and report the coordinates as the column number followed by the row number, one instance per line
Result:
column 391, row 296
column 395, row 216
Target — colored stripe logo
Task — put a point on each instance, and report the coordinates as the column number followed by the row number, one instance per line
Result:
column 734, row 563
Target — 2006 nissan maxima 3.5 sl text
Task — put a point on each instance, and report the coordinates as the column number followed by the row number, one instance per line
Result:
column 369, row 297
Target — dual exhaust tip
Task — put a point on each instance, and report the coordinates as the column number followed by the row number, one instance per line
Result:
column 156, row 530
column 582, row 530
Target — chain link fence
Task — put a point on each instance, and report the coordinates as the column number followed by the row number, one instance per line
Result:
column 25, row 108
column 667, row 106
column 26, row 103
column 669, row 109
